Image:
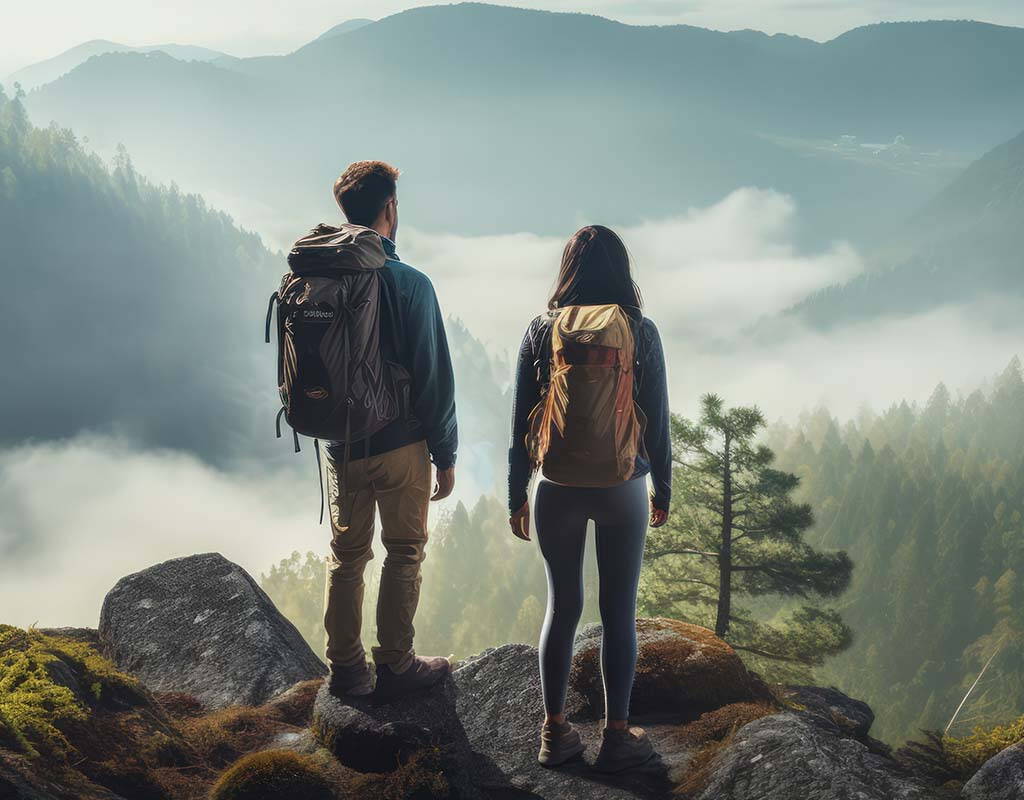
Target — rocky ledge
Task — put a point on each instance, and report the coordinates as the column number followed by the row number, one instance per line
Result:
column 201, row 647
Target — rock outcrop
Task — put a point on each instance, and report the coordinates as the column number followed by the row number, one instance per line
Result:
column 499, row 704
column 202, row 635
column 201, row 625
column 368, row 736
column 681, row 670
column 803, row 755
column 853, row 716
column 1000, row 778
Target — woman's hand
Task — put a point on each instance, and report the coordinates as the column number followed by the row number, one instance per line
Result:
column 520, row 522
column 658, row 516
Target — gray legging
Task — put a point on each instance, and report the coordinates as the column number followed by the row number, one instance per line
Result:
column 620, row 514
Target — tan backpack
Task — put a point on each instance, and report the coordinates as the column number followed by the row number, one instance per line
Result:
column 587, row 429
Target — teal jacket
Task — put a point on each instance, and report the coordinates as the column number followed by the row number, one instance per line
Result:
column 413, row 335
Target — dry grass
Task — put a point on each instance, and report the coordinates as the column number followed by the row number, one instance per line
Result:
column 711, row 733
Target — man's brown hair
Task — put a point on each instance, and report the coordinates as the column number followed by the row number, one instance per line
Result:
column 364, row 189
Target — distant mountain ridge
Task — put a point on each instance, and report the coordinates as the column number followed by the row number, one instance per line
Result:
column 344, row 27
column 514, row 98
column 43, row 72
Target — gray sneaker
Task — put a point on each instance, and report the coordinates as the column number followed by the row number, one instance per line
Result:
column 622, row 749
column 559, row 742
column 352, row 681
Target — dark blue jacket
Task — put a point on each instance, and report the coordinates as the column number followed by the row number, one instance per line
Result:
column 413, row 335
column 655, row 458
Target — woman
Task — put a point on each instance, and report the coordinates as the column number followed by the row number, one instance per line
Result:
column 595, row 271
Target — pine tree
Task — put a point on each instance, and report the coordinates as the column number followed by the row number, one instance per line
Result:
column 736, row 531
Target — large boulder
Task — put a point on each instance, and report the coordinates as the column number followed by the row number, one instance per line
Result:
column 201, row 625
column 499, row 704
column 373, row 737
column 1000, row 778
column 681, row 670
column 851, row 715
column 804, row 755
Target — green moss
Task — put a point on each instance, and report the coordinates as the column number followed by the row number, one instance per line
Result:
column 270, row 775
column 967, row 754
column 33, row 706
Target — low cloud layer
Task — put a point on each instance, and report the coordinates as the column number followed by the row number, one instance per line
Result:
column 707, row 277
column 709, row 273
column 79, row 513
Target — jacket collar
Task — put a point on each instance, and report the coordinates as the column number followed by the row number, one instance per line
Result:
column 389, row 247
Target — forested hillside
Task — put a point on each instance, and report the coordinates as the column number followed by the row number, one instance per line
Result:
column 929, row 503
column 130, row 308
column 135, row 309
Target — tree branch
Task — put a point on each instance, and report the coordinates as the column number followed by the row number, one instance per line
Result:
column 776, row 656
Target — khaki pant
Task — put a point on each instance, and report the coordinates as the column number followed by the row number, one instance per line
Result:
column 397, row 484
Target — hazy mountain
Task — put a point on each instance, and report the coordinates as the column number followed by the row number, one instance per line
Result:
column 52, row 68
column 967, row 242
column 344, row 27
column 138, row 310
column 130, row 308
column 558, row 118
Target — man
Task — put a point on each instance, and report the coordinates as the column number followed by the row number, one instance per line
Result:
column 390, row 472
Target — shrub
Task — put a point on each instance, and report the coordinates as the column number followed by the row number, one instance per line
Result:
column 32, row 705
column 272, row 775
column 968, row 753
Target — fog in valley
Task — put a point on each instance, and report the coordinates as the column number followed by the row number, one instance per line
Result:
column 828, row 230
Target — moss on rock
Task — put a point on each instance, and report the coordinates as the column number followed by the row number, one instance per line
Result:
column 682, row 670
column 32, row 704
column 271, row 775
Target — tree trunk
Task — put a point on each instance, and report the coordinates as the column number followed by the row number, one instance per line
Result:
column 725, row 554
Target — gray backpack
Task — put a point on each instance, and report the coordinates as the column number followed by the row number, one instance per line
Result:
column 332, row 377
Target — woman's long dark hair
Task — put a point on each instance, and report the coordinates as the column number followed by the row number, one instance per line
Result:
column 595, row 271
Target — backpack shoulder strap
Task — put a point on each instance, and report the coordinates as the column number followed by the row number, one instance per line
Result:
column 391, row 309
column 542, row 347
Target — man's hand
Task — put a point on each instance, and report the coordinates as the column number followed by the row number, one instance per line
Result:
column 520, row 522
column 658, row 516
column 444, row 483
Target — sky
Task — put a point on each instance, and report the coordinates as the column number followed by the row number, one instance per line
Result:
column 32, row 32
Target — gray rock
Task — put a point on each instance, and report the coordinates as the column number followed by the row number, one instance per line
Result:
column 202, row 625
column 499, row 704
column 851, row 715
column 801, row 755
column 1000, row 778
column 377, row 737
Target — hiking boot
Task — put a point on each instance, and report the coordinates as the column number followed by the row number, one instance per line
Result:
column 351, row 681
column 421, row 674
column 559, row 742
column 622, row 749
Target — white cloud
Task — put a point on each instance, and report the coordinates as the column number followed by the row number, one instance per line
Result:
column 76, row 516
column 707, row 276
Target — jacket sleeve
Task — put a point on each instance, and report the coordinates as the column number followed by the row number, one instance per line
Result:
column 653, row 401
column 527, row 395
column 433, row 379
